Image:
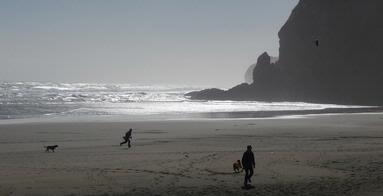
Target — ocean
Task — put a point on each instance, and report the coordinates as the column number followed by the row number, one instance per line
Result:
column 20, row 100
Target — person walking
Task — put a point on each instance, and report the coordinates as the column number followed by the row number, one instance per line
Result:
column 248, row 163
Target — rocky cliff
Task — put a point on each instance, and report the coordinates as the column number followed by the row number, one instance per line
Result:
column 250, row 70
column 330, row 52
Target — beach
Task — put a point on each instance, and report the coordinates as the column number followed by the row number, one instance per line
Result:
column 337, row 154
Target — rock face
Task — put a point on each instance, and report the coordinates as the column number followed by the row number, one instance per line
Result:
column 330, row 52
column 250, row 70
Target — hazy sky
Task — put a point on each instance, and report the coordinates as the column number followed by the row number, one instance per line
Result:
column 210, row 42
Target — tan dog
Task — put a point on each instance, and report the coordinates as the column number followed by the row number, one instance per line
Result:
column 237, row 166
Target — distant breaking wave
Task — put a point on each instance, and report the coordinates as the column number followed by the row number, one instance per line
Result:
column 46, row 99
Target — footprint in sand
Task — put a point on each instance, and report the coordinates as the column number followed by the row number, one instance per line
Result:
column 6, row 190
column 156, row 180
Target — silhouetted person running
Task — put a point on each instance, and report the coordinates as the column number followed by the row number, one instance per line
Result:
column 127, row 137
column 248, row 163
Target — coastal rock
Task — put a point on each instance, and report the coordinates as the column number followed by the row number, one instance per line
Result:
column 212, row 93
column 250, row 70
column 330, row 52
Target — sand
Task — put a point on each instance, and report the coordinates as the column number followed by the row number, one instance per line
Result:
column 317, row 155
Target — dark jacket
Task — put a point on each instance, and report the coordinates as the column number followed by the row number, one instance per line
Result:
column 248, row 160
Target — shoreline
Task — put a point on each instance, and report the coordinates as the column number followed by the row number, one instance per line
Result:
column 246, row 115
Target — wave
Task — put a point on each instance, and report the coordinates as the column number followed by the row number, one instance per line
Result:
column 26, row 99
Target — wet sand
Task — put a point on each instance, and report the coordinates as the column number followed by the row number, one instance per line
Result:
column 339, row 154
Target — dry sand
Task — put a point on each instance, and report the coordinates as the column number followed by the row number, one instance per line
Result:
column 317, row 155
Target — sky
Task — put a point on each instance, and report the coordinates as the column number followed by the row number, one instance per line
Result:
column 186, row 42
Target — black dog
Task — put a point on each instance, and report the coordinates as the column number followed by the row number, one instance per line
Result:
column 52, row 148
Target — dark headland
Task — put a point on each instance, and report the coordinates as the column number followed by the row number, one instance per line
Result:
column 330, row 52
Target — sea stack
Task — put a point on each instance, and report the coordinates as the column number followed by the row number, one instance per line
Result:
column 330, row 52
